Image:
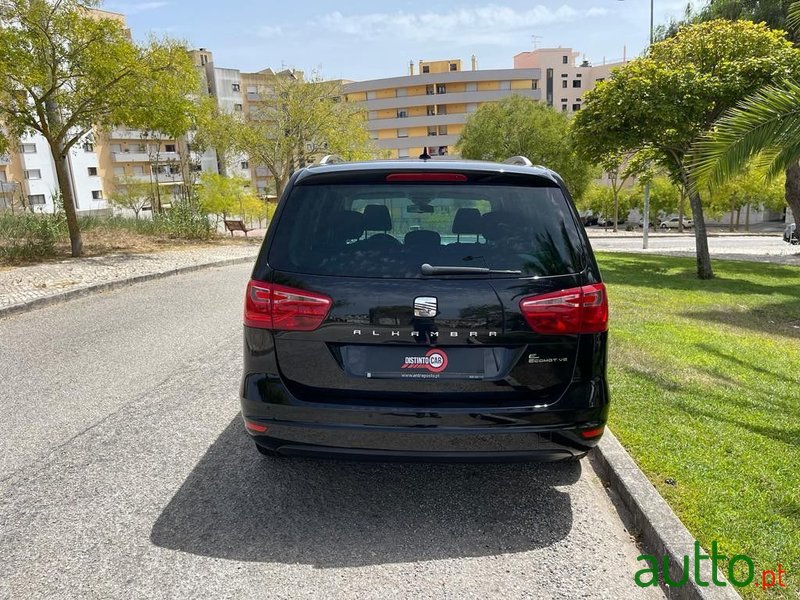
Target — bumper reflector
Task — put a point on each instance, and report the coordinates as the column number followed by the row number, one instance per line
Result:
column 595, row 432
column 254, row 427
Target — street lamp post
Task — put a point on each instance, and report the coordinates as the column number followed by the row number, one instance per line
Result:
column 646, row 223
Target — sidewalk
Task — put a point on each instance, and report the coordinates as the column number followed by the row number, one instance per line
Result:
column 35, row 283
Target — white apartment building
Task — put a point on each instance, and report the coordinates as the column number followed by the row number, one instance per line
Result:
column 564, row 78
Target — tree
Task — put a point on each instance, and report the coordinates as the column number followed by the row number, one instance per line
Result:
column 619, row 168
column 66, row 71
column 221, row 130
column 764, row 128
column 221, row 195
column 519, row 126
column 777, row 14
column 299, row 121
column 601, row 200
column 131, row 193
column 667, row 100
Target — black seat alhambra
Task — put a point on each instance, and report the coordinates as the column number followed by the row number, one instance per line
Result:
column 420, row 309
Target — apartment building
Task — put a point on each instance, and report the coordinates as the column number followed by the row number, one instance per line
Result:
column 237, row 91
column 28, row 176
column 566, row 77
column 427, row 110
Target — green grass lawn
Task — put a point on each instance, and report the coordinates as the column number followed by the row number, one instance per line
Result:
column 705, row 383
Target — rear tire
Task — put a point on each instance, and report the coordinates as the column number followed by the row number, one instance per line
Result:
column 269, row 452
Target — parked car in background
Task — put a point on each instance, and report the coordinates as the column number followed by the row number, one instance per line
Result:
column 674, row 221
column 791, row 235
column 448, row 310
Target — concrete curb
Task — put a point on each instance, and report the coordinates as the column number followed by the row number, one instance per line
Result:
column 648, row 516
column 107, row 286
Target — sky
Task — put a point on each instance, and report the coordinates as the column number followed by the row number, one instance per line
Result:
column 369, row 40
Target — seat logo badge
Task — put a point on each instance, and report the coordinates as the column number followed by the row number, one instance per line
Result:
column 425, row 306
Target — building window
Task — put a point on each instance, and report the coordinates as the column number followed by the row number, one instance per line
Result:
column 454, row 66
column 236, row 87
column 564, row 83
column 472, row 86
column 402, row 133
column 119, row 171
column 137, row 169
column 116, row 147
column 195, row 167
column 431, row 111
column 169, row 147
column 237, row 107
column 441, row 109
column 599, row 79
column 36, row 200
column 431, row 130
column 563, row 108
column 88, row 146
column 402, row 153
column 245, row 165
column 29, row 148
column 579, row 75
column 442, row 129
column 97, row 194
column 33, row 174
column 535, row 84
column 565, row 100
column 402, row 113
column 565, row 60
column 576, row 83
column 426, row 69
column 564, row 75
column 441, row 88
column 429, row 90
column 576, row 107
column 92, row 171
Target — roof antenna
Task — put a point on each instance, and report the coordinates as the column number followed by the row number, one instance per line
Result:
column 425, row 155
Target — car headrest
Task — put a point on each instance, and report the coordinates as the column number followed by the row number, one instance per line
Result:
column 346, row 225
column 467, row 220
column 499, row 225
column 422, row 239
column 377, row 218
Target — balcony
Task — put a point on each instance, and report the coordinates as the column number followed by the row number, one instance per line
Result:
column 125, row 134
column 449, row 98
column 145, row 157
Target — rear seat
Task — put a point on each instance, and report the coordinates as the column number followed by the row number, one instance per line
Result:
column 466, row 222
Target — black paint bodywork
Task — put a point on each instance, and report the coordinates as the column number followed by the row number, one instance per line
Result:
column 296, row 383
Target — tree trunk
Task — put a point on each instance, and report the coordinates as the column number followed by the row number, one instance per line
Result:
column 616, row 210
column 733, row 211
column 738, row 217
column 747, row 219
column 681, row 211
column 65, row 189
column 704, row 270
column 793, row 190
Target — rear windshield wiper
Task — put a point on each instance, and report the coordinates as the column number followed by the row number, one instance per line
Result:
column 428, row 269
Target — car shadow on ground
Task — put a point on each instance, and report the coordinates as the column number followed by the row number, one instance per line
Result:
column 239, row 505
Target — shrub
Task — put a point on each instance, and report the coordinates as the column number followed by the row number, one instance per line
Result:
column 30, row 236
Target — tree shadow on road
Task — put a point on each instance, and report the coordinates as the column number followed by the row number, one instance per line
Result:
column 239, row 505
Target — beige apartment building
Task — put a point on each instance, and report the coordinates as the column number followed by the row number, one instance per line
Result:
column 565, row 77
column 427, row 110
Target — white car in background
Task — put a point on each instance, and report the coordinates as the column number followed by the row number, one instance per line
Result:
column 673, row 223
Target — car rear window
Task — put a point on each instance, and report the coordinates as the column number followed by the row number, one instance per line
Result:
column 390, row 230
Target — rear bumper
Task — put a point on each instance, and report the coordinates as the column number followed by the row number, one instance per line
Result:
column 424, row 433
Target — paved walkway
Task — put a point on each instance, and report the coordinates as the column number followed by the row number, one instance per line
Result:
column 24, row 284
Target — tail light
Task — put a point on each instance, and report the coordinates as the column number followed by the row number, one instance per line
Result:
column 576, row 310
column 281, row 308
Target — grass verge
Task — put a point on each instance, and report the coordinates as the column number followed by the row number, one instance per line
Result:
column 705, row 381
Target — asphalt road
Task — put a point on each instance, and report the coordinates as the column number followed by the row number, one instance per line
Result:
column 125, row 473
column 735, row 247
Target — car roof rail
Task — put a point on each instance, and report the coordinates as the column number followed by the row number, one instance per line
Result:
column 330, row 159
column 522, row 161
